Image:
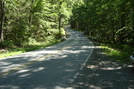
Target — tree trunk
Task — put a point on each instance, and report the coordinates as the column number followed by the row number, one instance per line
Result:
column 31, row 13
column 132, row 3
column 113, row 32
column 1, row 19
column 123, row 20
column 59, row 20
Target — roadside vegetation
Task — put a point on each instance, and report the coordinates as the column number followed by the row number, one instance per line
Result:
column 33, row 24
column 10, row 49
column 117, row 52
column 110, row 22
column 29, row 25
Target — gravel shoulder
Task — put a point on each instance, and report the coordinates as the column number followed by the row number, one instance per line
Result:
column 103, row 73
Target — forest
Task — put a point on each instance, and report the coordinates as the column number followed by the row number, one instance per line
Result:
column 108, row 21
column 25, row 22
column 28, row 22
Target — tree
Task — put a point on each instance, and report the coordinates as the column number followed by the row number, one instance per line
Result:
column 1, row 19
column 24, row 21
column 109, row 21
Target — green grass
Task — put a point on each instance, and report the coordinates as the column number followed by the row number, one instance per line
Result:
column 18, row 50
column 33, row 45
column 118, row 52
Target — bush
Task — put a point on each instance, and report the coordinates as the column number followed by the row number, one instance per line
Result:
column 6, row 43
column 63, row 32
column 118, row 52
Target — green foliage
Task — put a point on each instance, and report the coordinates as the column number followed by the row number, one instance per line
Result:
column 109, row 21
column 63, row 32
column 18, row 50
column 6, row 43
column 117, row 52
column 34, row 21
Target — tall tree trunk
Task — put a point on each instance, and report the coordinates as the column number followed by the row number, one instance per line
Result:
column 132, row 3
column 123, row 20
column 1, row 19
column 59, row 20
column 113, row 31
column 30, row 14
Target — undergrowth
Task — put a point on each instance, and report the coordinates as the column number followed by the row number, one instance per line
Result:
column 18, row 50
column 32, row 45
column 118, row 52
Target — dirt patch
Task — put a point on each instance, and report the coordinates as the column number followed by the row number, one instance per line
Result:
column 103, row 73
column 3, row 50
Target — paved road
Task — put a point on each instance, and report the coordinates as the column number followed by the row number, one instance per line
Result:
column 53, row 67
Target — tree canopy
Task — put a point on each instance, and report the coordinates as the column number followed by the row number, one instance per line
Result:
column 109, row 21
column 22, row 21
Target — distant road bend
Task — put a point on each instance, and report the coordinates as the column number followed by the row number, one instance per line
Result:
column 54, row 67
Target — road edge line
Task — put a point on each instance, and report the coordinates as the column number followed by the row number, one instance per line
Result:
column 82, row 66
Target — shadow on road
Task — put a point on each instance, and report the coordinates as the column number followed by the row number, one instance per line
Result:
column 103, row 73
column 44, row 74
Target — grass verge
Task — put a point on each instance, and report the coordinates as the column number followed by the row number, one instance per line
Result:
column 33, row 45
column 118, row 52
column 18, row 50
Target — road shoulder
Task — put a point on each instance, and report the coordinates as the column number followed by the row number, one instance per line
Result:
column 101, row 72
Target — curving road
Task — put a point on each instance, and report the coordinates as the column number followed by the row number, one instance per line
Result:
column 53, row 67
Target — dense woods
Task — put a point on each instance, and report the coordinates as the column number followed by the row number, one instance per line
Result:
column 23, row 22
column 109, row 21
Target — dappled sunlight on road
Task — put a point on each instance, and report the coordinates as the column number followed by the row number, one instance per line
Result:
column 59, row 87
column 74, row 52
column 48, row 68
column 103, row 73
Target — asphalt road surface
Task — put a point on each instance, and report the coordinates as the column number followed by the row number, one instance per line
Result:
column 54, row 67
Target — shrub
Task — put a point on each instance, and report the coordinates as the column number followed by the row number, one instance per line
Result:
column 6, row 43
